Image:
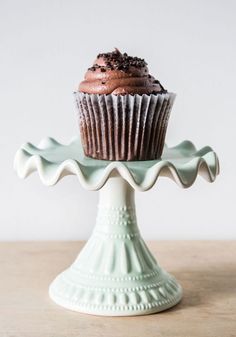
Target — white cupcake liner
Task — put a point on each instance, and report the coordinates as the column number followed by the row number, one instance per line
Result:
column 124, row 127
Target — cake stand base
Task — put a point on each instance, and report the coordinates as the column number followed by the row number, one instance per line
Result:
column 115, row 274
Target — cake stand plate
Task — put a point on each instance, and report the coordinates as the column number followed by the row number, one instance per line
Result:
column 115, row 274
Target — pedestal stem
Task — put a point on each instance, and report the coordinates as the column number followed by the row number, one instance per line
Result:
column 117, row 192
column 115, row 273
column 116, row 209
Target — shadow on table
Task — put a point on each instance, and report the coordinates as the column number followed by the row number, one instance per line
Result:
column 202, row 287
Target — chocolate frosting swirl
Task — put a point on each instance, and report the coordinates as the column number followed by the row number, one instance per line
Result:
column 119, row 74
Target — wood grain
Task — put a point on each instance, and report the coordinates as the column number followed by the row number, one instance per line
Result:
column 206, row 270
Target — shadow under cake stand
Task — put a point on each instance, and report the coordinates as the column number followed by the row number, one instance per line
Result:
column 115, row 274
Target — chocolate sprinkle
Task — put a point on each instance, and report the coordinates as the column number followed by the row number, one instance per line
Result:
column 118, row 61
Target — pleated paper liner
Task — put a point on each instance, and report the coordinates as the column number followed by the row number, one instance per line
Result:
column 129, row 127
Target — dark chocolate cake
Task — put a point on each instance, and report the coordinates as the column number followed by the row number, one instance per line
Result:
column 123, row 110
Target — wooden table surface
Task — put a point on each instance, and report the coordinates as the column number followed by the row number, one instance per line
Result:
column 206, row 270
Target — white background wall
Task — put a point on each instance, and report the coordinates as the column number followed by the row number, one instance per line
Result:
column 46, row 46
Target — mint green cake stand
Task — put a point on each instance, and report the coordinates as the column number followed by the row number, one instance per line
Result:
column 115, row 274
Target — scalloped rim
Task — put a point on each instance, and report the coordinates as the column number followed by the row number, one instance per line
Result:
column 204, row 162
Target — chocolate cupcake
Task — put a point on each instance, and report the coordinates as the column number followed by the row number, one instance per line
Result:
column 123, row 110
